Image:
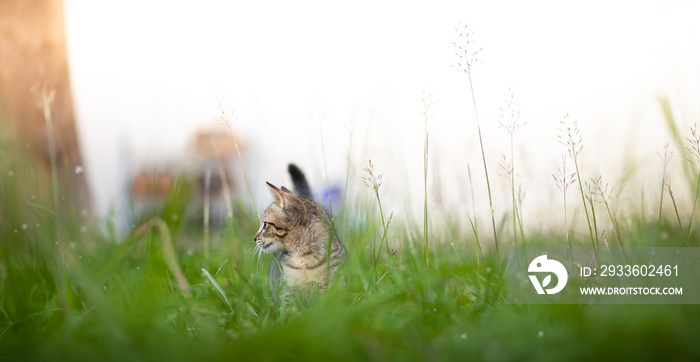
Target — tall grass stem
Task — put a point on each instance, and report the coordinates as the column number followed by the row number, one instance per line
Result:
column 472, row 219
column 486, row 171
column 224, row 120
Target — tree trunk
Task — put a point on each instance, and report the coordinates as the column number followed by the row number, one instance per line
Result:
column 36, row 106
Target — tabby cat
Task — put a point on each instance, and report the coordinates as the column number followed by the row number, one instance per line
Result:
column 297, row 230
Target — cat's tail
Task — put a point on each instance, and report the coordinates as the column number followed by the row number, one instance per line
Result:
column 301, row 186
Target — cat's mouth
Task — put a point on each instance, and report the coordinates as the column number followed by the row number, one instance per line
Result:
column 270, row 246
column 262, row 245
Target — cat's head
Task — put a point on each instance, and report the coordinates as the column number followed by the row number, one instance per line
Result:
column 282, row 221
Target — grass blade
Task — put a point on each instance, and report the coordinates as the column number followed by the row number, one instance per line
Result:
column 217, row 287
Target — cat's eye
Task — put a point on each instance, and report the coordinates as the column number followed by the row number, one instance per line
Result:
column 273, row 225
column 265, row 224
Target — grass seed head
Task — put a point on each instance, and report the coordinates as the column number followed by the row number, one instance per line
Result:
column 510, row 114
column 563, row 180
column 694, row 144
column 665, row 158
column 372, row 181
column 466, row 49
column 570, row 136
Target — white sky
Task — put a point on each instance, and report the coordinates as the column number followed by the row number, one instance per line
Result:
column 146, row 74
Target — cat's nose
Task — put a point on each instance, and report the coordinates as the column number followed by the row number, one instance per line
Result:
column 257, row 235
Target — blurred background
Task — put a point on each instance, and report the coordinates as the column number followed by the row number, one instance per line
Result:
column 128, row 94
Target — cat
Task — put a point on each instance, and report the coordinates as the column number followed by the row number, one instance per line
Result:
column 297, row 229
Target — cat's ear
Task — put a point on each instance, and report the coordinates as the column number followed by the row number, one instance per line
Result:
column 285, row 198
column 277, row 194
column 290, row 203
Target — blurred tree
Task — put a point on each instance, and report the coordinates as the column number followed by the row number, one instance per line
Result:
column 36, row 106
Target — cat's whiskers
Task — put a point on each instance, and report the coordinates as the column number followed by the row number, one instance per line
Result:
column 260, row 251
column 256, row 250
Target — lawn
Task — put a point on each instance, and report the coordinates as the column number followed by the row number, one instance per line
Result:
column 70, row 289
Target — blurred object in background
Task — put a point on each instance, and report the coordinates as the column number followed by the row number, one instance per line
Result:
column 149, row 189
column 211, row 161
column 215, row 164
column 36, row 106
column 336, row 197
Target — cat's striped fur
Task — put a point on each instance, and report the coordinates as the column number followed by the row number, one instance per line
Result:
column 297, row 230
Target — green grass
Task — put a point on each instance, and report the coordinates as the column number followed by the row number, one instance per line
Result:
column 71, row 294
